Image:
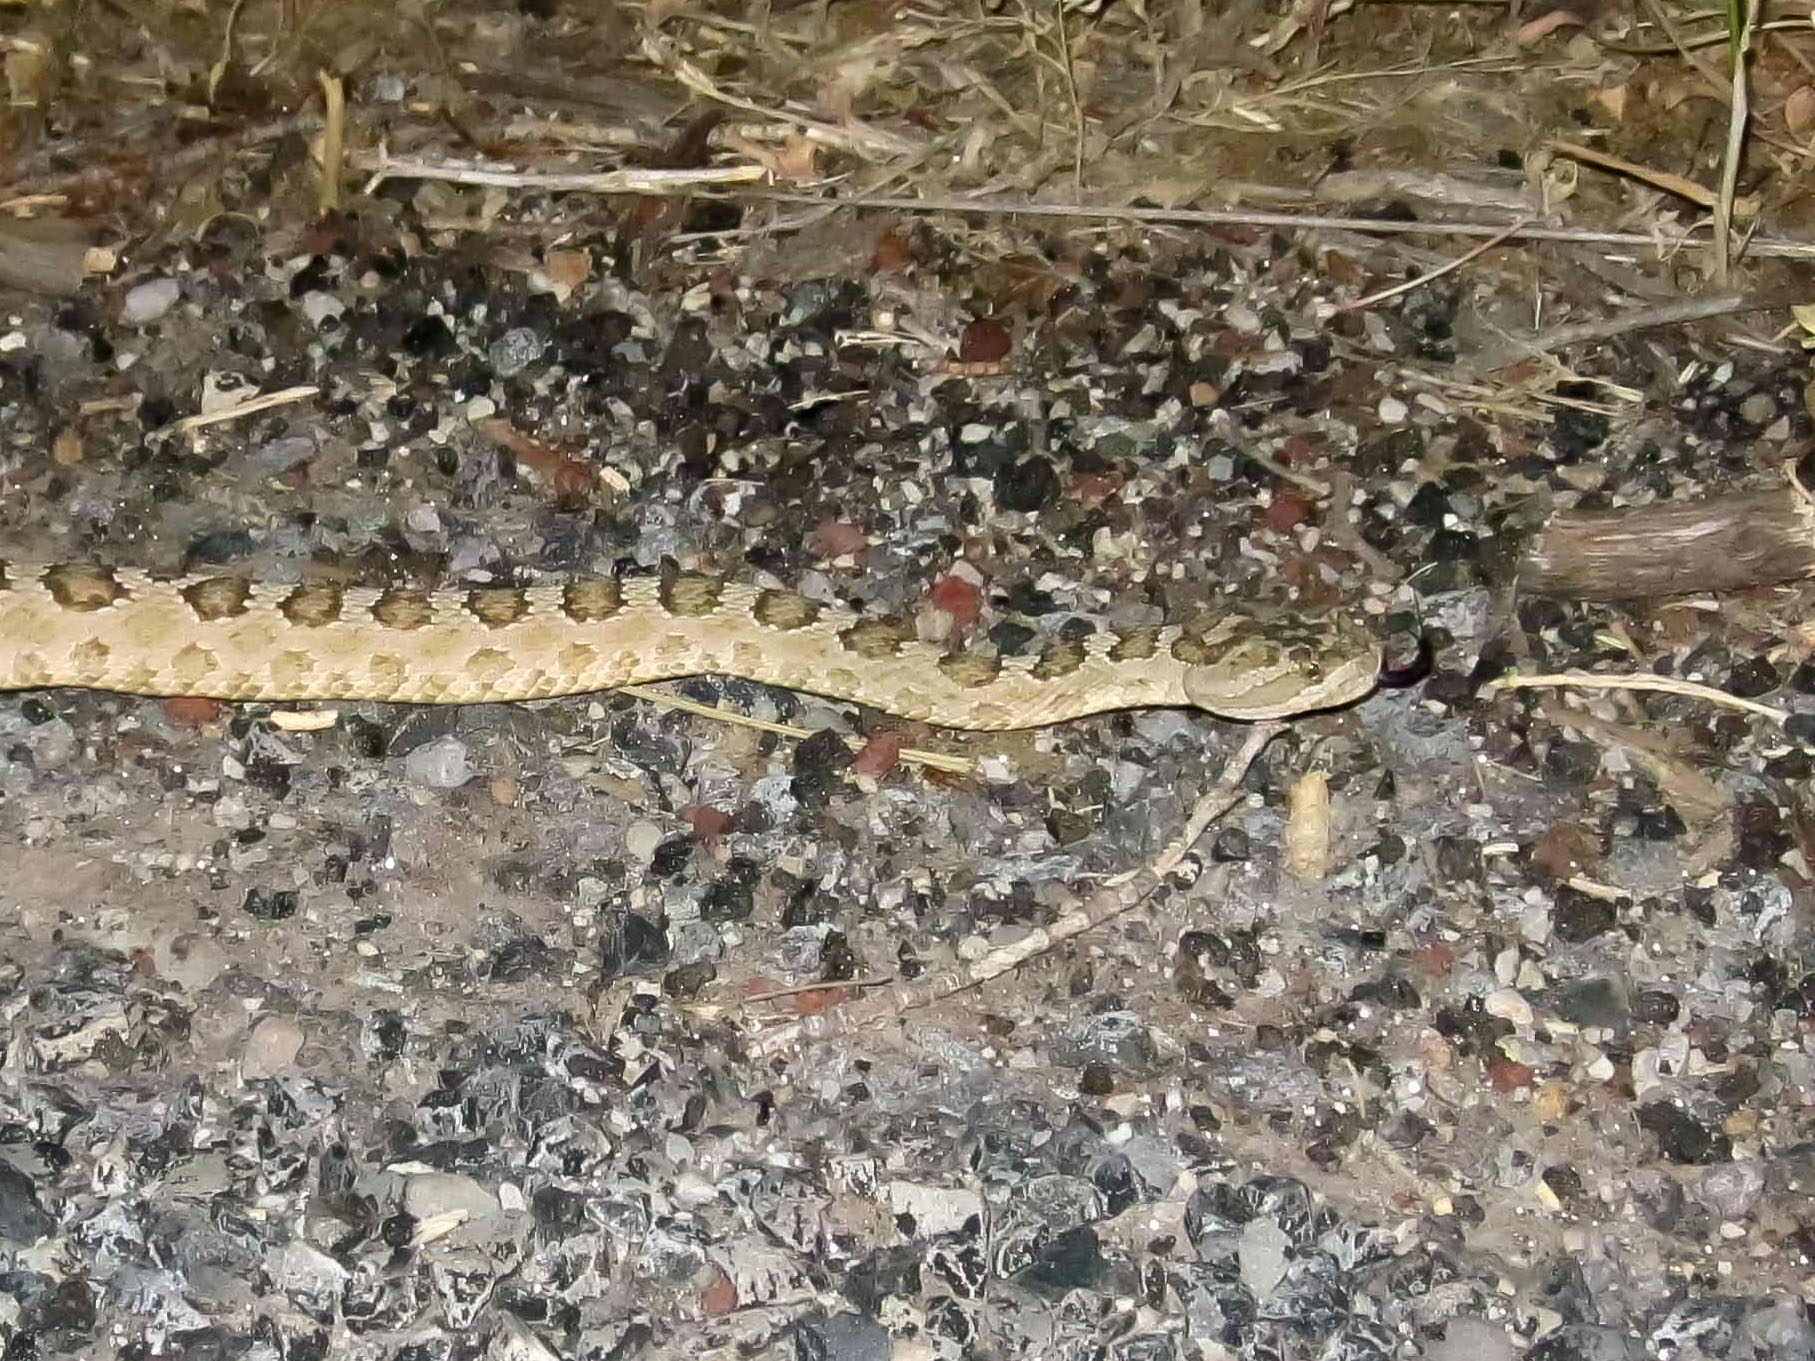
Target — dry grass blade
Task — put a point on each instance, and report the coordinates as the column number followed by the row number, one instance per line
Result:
column 1668, row 685
column 333, row 143
column 1679, row 185
column 382, row 166
column 1647, row 242
column 252, row 406
column 1738, row 117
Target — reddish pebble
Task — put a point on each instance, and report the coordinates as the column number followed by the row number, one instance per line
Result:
column 1290, row 509
column 879, row 754
column 1092, row 489
column 1297, row 449
column 891, row 255
column 985, row 342
column 1436, row 960
column 573, row 480
column 1507, row 1077
column 834, row 539
column 192, row 710
column 719, row 1298
column 958, row 597
column 708, row 822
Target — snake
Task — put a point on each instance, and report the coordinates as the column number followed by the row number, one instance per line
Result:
column 226, row 636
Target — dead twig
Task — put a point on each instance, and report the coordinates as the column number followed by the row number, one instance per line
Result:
column 381, row 167
column 1773, row 246
column 1638, row 319
column 250, row 407
column 1434, row 274
column 1110, row 901
column 1669, row 685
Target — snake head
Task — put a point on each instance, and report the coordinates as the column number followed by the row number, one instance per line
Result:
column 1253, row 668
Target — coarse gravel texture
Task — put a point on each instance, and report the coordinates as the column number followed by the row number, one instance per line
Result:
column 421, row 1034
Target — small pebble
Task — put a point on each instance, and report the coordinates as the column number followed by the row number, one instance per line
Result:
column 514, row 351
column 148, row 301
column 271, row 1048
column 440, row 764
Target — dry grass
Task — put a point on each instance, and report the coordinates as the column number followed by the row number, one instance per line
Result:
column 1556, row 146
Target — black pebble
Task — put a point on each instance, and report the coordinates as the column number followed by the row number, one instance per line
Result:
column 1026, row 486
column 671, row 857
column 1580, row 917
column 1753, row 677
column 1455, row 545
column 630, row 943
column 728, row 900
column 1231, row 846
column 1654, row 1006
column 686, row 982
column 1459, row 860
column 1428, row 506
column 1663, row 824
column 428, row 338
column 1681, row 1137
column 818, row 763
column 1760, row 830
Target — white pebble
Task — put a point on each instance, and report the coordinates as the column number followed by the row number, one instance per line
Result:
column 641, row 840
column 318, row 306
column 150, row 300
column 1509, row 1005
column 1393, row 411
column 441, row 764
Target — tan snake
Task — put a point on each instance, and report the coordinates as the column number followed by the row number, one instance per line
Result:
column 223, row 636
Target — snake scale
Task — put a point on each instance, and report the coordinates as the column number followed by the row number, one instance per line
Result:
column 223, row 636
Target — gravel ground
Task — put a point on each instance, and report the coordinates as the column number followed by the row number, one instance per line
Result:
column 422, row 1034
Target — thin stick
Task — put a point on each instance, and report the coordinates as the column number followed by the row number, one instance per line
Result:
column 250, row 407
column 1107, row 903
column 1436, row 273
column 806, row 989
column 1641, row 319
column 1680, row 185
column 1668, row 685
column 382, row 166
column 957, row 765
column 1225, row 428
column 1774, row 246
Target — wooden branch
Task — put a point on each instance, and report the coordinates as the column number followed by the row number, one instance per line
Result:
column 1723, row 543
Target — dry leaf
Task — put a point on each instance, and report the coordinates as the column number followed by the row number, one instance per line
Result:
column 1308, row 827
column 563, row 272
column 1612, row 101
column 792, row 162
column 1799, row 111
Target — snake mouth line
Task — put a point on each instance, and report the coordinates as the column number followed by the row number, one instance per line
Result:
column 1413, row 672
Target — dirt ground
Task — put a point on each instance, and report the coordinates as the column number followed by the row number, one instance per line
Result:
column 389, row 1031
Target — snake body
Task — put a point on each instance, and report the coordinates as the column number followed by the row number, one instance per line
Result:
column 224, row 636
